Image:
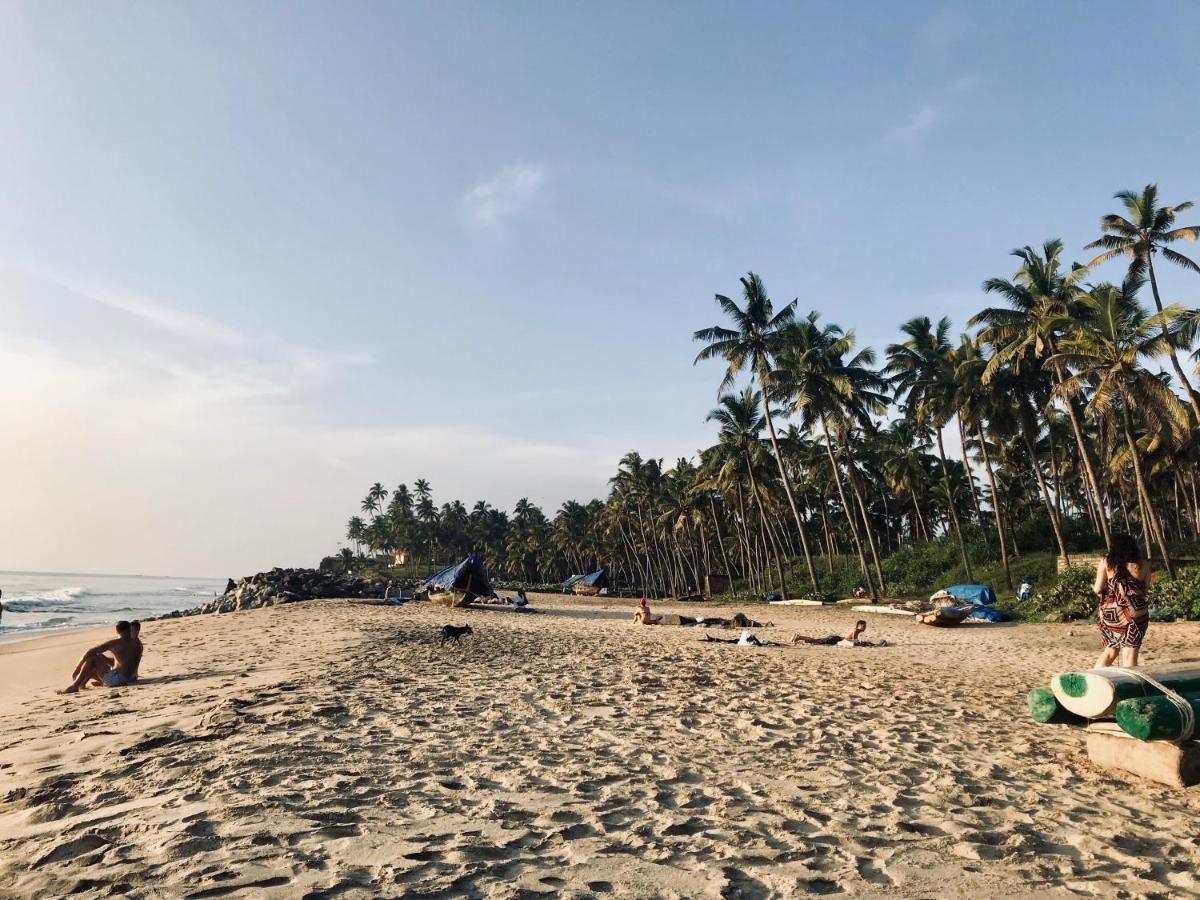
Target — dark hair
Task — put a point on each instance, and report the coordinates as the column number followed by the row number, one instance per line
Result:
column 862, row 622
column 1122, row 550
column 123, row 628
column 135, row 625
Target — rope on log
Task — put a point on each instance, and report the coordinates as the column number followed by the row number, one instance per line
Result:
column 1153, row 718
column 1187, row 715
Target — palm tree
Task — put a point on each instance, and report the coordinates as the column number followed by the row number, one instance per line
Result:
column 826, row 388
column 1106, row 353
column 1148, row 230
column 921, row 370
column 974, row 405
column 741, row 424
column 1042, row 301
column 753, row 342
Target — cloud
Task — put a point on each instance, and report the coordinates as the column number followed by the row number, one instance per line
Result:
column 943, row 28
column 140, row 437
column 506, row 194
column 933, row 110
column 917, row 124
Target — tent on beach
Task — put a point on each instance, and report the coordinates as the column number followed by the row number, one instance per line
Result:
column 459, row 585
column 588, row 585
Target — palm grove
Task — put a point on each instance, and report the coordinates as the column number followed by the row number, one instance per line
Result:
column 830, row 458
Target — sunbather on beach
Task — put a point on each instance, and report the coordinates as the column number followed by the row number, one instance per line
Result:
column 851, row 637
column 97, row 668
column 642, row 615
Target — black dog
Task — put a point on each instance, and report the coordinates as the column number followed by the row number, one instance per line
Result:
column 453, row 633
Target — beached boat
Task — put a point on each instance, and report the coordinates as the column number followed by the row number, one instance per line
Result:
column 461, row 584
column 945, row 616
column 588, row 585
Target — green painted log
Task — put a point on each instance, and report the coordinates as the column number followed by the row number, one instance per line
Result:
column 1154, row 718
column 1046, row 710
column 1095, row 693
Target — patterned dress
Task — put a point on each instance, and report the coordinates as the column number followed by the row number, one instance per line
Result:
column 1124, row 610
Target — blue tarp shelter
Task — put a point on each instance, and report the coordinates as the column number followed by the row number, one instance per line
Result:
column 596, row 580
column 982, row 597
column 468, row 577
column 975, row 594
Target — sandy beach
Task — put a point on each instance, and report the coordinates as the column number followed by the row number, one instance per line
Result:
column 332, row 749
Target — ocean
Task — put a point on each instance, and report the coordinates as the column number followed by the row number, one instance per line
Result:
column 38, row 602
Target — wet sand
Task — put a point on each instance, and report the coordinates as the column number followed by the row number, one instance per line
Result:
column 332, row 749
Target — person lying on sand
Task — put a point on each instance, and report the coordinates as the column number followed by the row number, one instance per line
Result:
column 850, row 639
column 739, row 620
column 97, row 668
column 748, row 639
column 642, row 615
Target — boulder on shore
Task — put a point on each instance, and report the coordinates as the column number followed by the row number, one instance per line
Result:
column 284, row 586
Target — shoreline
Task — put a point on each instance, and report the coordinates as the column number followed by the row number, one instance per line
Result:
column 327, row 747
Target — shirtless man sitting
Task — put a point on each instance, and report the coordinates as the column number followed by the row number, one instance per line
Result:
column 642, row 615
column 97, row 668
column 850, row 638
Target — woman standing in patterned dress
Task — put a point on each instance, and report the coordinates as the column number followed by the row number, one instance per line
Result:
column 1122, row 582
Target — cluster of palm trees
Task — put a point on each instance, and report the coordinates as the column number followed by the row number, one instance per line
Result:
column 405, row 527
column 1051, row 409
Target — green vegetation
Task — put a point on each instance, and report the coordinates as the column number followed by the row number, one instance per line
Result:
column 981, row 456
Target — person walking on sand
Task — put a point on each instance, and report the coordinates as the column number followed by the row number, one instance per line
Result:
column 1122, row 582
column 97, row 668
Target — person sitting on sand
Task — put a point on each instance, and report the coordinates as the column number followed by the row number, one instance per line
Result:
column 851, row 637
column 135, row 631
column 97, row 668
column 642, row 615
column 520, row 602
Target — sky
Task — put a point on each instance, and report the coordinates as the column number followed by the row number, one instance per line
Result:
column 256, row 257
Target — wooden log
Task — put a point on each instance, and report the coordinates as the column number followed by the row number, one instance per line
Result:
column 1174, row 765
column 1154, row 718
column 1095, row 693
column 1046, row 710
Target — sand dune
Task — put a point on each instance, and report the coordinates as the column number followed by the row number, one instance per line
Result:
column 331, row 749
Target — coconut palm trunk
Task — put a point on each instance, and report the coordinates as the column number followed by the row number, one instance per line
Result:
column 1151, row 520
column 1031, row 447
column 721, row 542
column 762, row 528
column 996, row 511
column 962, row 439
column 846, row 507
column 862, row 508
column 787, row 484
column 962, row 544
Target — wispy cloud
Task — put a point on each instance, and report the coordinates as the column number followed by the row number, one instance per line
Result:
column 506, row 194
column 179, row 442
column 943, row 28
column 932, row 111
column 917, row 124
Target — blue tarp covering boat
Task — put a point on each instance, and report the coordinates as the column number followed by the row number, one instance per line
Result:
column 463, row 582
column 980, row 596
column 975, row 594
column 588, row 584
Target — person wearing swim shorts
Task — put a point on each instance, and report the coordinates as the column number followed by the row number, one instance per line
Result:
column 96, row 667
